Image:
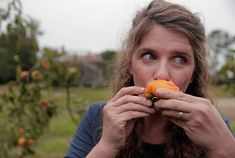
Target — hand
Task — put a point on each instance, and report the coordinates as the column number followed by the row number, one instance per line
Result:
column 119, row 115
column 198, row 117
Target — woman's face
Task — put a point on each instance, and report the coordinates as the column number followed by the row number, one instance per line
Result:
column 163, row 54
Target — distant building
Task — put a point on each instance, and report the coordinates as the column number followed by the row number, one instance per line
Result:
column 71, row 59
column 91, row 59
column 91, row 74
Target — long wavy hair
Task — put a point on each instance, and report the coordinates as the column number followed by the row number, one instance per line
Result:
column 175, row 17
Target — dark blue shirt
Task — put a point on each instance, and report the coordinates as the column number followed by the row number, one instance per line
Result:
column 89, row 132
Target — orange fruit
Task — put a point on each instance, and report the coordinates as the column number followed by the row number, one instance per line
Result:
column 31, row 141
column 44, row 102
column 45, row 63
column 21, row 141
column 154, row 85
column 24, row 75
column 36, row 75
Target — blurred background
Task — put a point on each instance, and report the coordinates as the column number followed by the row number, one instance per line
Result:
column 56, row 59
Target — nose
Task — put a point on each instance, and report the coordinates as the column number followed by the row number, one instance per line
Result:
column 162, row 71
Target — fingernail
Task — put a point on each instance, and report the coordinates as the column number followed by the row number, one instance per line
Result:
column 158, row 91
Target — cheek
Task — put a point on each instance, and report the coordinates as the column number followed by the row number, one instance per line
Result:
column 141, row 75
column 183, row 81
column 138, row 77
column 183, row 85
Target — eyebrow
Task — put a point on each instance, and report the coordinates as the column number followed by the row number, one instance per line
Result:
column 145, row 50
column 176, row 51
column 185, row 53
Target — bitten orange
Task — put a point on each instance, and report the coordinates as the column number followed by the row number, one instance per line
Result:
column 154, row 85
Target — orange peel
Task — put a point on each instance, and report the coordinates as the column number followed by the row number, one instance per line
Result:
column 154, row 85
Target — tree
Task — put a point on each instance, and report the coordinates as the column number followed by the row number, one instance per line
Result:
column 221, row 45
column 26, row 106
column 226, row 75
column 18, row 36
column 107, row 65
column 219, row 42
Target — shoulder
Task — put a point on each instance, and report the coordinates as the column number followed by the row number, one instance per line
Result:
column 95, row 116
column 92, row 118
column 88, row 132
column 95, row 109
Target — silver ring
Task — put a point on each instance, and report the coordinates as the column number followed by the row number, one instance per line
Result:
column 180, row 114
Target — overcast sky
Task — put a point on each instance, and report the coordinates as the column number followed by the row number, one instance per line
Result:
column 98, row 25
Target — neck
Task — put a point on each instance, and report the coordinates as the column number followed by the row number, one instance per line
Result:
column 153, row 130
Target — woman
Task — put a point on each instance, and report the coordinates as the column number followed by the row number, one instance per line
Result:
column 167, row 42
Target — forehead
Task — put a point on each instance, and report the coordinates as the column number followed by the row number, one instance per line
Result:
column 159, row 36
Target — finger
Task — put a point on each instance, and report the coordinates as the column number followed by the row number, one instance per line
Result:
column 135, row 107
column 132, row 99
column 169, row 94
column 133, row 90
column 130, row 115
column 177, row 115
column 173, row 104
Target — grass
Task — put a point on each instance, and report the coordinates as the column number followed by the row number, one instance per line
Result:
column 56, row 139
column 221, row 92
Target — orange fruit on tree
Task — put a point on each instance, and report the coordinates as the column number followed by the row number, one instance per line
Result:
column 21, row 141
column 31, row 141
column 44, row 102
column 24, row 75
column 154, row 85
column 36, row 75
column 45, row 63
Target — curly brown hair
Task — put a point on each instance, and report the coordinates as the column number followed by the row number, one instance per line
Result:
column 175, row 17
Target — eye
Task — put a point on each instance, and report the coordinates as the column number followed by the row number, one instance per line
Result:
column 180, row 60
column 148, row 56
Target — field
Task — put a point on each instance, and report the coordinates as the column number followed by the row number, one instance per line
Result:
column 58, row 134
column 225, row 103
